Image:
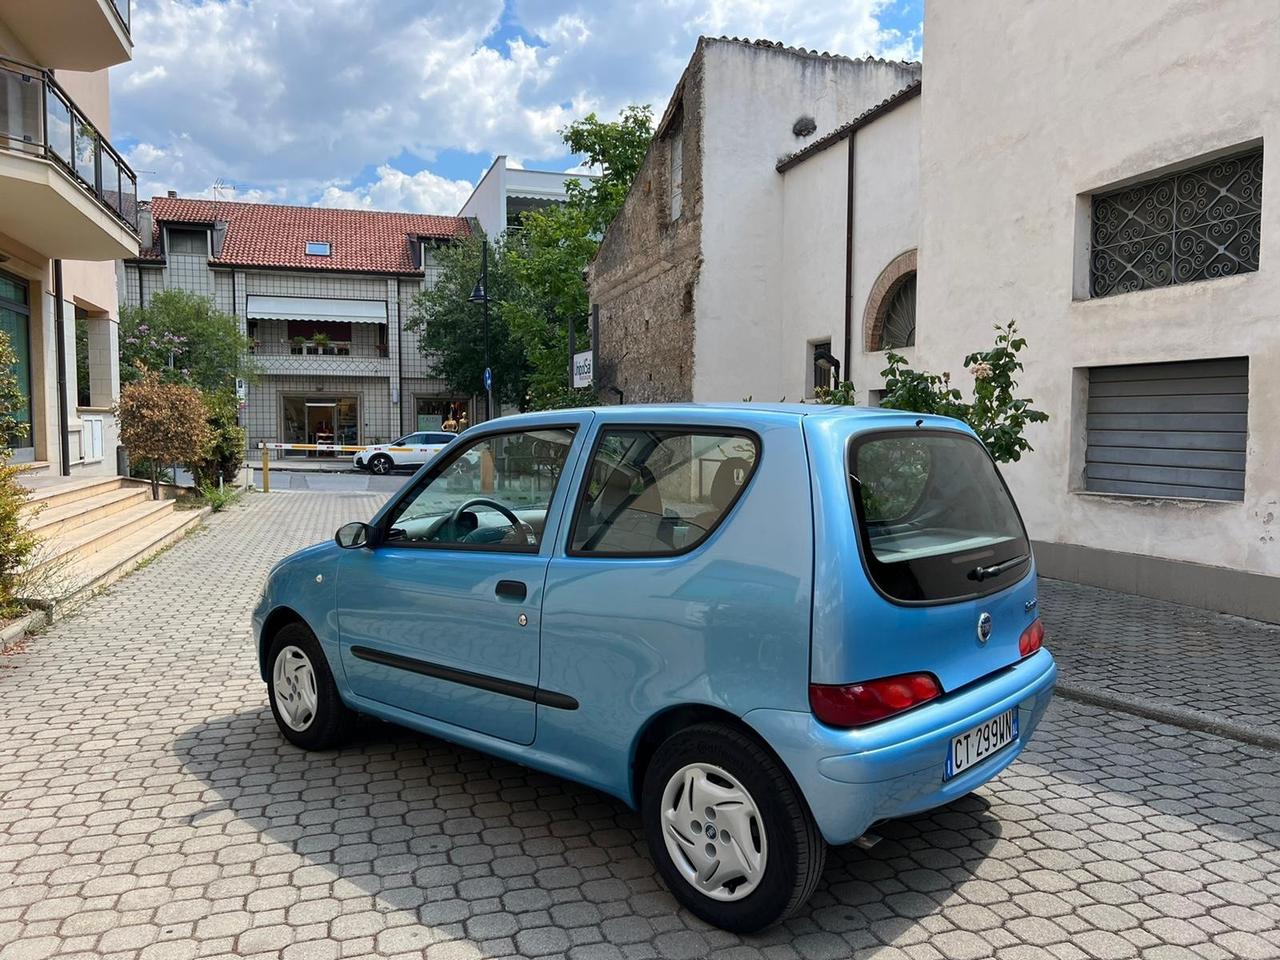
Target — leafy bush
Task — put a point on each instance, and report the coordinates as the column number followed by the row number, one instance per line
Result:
column 163, row 422
column 218, row 498
column 223, row 458
column 996, row 415
column 17, row 543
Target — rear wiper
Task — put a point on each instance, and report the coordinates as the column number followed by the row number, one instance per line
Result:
column 981, row 573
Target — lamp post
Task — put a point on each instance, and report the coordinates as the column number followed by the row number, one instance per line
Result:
column 481, row 295
column 827, row 357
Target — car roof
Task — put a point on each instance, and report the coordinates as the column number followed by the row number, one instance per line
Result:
column 739, row 413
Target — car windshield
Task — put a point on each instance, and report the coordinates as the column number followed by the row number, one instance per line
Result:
column 935, row 519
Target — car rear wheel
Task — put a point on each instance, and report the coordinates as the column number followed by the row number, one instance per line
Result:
column 728, row 830
column 380, row 464
column 304, row 699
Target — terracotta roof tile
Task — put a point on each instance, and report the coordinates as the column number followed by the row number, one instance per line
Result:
column 269, row 235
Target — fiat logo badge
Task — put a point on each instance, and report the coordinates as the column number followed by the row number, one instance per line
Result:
column 984, row 628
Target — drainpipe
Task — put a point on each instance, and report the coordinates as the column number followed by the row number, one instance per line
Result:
column 848, row 264
column 64, row 437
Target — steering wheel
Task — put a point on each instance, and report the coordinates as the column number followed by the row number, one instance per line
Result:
column 517, row 524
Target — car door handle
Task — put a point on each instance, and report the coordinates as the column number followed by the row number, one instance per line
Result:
column 511, row 590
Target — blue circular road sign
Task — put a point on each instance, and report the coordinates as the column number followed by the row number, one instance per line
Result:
column 488, row 378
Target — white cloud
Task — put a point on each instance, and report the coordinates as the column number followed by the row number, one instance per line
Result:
column 422, row 192
column 299, row 97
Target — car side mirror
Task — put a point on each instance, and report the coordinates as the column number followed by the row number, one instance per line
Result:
column 356, row 534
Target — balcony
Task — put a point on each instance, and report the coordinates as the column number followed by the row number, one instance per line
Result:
column 65, row 191
column 334, row 357
column 71, row 34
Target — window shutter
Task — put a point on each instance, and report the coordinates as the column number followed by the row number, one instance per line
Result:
column 1169, row 429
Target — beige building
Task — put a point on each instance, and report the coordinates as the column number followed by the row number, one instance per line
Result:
column 1103, row 174
column 68, row 210
column 1095, row 173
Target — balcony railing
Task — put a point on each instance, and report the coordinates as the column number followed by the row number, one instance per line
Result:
column 122, row 11
column 39, row 119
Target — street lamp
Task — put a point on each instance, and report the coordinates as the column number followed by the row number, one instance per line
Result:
column 826, row 356
column 481, row 295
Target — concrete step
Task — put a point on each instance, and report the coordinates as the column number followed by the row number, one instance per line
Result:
column 83, row 541
column 91, row 573
column 55, row 491
column 52, row 521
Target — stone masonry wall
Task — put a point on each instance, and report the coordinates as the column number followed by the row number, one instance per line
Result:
column 644, row 279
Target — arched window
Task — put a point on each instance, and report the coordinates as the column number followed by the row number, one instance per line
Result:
column 889, row 320
column 899, row 328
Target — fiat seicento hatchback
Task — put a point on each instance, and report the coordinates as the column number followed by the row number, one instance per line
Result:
column 765, row 627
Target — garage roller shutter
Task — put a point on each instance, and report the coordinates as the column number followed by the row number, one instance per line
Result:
column 1169, row 429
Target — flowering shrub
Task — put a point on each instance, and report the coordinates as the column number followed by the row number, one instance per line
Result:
column 995, row 414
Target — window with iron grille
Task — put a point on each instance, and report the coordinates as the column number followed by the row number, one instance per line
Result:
column 1197, row 224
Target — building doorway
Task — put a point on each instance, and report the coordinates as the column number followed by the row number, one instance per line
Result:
column 15, row 320
column 319, row 419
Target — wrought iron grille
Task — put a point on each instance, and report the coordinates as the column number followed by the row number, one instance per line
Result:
column 1194, row 225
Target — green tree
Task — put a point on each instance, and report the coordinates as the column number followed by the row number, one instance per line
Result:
column 451, row 330
column 536, row 282
column 182, row 337
column 549, row 256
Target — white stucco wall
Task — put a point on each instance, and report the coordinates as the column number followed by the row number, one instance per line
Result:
column 487, row 202
column 811, row 273
column 886, row 221
column 1027, row 107
column 752, row 97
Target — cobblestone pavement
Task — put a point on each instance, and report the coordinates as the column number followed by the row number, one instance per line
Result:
column 148, row 808
column 1153, row 653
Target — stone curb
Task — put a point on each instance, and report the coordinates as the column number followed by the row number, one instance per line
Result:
column 15, row 631
column 1176, row 716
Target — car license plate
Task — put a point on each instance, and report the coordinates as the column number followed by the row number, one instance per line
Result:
column 974, row 746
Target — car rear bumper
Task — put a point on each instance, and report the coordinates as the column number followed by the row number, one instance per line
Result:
column 855, row 778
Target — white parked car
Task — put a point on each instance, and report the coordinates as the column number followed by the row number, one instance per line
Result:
column 409, row 451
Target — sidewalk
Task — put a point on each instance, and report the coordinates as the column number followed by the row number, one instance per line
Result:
column 1167, row 662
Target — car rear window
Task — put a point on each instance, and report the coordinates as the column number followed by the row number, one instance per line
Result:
column 934, row 517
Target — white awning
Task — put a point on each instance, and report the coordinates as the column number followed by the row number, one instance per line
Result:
column 317, row 308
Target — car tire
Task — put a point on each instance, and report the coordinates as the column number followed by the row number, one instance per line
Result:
column 715, row 762
column 380, row 464
column 304, row 699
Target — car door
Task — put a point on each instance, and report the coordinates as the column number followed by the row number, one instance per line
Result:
column 442, row 617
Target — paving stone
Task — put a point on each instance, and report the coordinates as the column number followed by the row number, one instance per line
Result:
column 165, row 818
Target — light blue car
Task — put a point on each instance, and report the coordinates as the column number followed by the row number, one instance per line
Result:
column 767, row 627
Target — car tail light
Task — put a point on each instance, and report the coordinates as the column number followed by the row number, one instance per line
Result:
column 1032, row 638
column 856, row 704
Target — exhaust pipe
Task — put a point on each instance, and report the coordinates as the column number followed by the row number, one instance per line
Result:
column 868, row 840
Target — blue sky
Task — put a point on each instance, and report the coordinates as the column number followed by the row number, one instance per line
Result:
column 402, row 104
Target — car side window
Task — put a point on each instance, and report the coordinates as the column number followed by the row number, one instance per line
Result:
column 438, row 438
column 654, row 491
column 492, row 494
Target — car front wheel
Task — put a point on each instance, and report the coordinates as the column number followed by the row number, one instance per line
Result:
column 728, row 830
column 380, row 464
column 304, row 698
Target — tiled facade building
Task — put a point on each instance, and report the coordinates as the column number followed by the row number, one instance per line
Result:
column 324, row 295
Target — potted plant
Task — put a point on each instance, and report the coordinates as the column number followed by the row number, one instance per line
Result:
column 299, row 343
column 321, row 342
